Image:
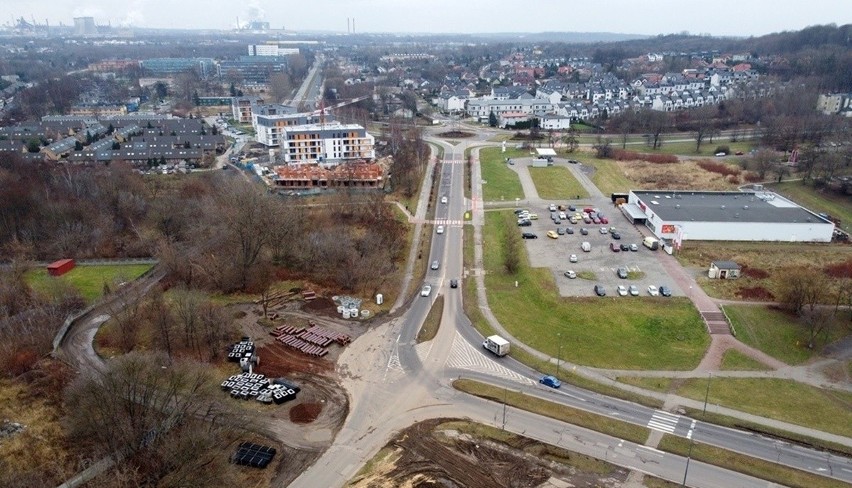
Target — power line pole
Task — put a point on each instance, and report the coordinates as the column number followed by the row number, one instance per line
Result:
column 692, row 440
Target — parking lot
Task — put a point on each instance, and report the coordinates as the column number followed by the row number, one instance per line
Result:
column 599, row 265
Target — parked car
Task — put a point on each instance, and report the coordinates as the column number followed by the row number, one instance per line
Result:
column 529, row 235
column 557, row 222
column 524, row 223
column 596, row 220
column 624, row 247
column 533, row 216
column 587, row 220
column 634, row 247
column 604, row 220
column 572, row 258
column 570, row 274
column 653, row 291
column 739, row 153
column 572, row 208
column 427, row 289
column 552, row 207
column 614, row 247
column 454, row 283
column 600, row 290
column 622, row 290
column 569, row 230
column 621, row 272
column 604, row 230
column 665, row 291
column 519, row 211
column 552, row 234
column 584, row 231
column 616, row 235
column 436, row 265
column 634, row 290
column 550, row 381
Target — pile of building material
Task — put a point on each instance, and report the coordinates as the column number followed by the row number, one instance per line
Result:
column 254, row 455
column 312, row 340
column 247, row 386
column 347, row 306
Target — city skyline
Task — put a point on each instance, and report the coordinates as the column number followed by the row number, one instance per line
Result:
column 721, row 18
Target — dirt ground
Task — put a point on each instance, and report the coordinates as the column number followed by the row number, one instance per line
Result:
column 322, row 403
column 446, row 452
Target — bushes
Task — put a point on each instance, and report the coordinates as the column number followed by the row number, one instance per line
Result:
column 723, row 169
column 622, row 155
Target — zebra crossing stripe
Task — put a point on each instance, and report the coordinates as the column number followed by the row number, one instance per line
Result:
column 663, row 421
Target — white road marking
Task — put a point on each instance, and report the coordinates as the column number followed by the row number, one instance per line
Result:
column 465, row 356
column 663, row 421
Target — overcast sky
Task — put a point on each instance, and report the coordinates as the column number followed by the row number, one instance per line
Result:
column 717, row 17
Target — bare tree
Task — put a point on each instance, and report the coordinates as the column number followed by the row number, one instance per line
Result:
column 155, row 415
column 280, row 87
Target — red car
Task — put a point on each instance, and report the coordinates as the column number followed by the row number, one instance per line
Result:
column 604, row 220
column 614, row 247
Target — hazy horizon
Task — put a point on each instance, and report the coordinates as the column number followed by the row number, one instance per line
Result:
column 719, row 18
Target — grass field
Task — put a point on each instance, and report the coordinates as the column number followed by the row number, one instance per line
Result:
column 89, row 281
column 556, row 411
column 688, row 148
column 785, row 400
column 764, row 260
column 818, row 201
column 741, row 463
column 501, row 183
column 433, row 320
column 649, row 383
column 556, row 183
column 593, row 331
column 609, row 177
column 779, row 334
column 734, row 360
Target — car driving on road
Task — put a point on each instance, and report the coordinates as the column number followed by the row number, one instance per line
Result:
column 550, row 381
column 427, row 289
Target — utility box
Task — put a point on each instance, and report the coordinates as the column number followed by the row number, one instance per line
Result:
column 59, row 268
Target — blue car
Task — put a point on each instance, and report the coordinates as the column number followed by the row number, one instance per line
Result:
column 550, row 381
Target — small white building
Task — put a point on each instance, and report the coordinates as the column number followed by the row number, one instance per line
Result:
column 555, row 122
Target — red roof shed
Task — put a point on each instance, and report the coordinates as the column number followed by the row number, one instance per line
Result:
column 59, row 268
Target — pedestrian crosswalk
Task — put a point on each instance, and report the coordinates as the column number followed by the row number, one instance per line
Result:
column 447, row 222
column 454, row 161
column 664, row 421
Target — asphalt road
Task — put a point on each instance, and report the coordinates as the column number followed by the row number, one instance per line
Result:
column 394, row 382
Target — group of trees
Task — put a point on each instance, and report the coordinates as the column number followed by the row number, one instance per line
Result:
column 814, row 296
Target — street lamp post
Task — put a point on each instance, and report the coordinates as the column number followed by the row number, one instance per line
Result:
column 559, row 353
column 692, row 440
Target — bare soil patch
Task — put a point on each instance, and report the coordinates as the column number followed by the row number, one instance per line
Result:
column 685, row 175
column 305, row 413
column 444, row 452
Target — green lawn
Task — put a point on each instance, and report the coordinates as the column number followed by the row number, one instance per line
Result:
column 433, row 321
column 608, row 176
column 501, row 183
column 557, row 183
column 817, row 201
column 648, row 382
column 655, row 334
column 688, row 148
column 734, row 360
column 785, row 400
column 741, row 463
column 598, row 423
column 88, row 280
column 779, row 334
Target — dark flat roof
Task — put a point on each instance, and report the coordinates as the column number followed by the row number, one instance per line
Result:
column 762, row 206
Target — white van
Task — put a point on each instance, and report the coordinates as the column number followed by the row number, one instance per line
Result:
column 586, row 247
